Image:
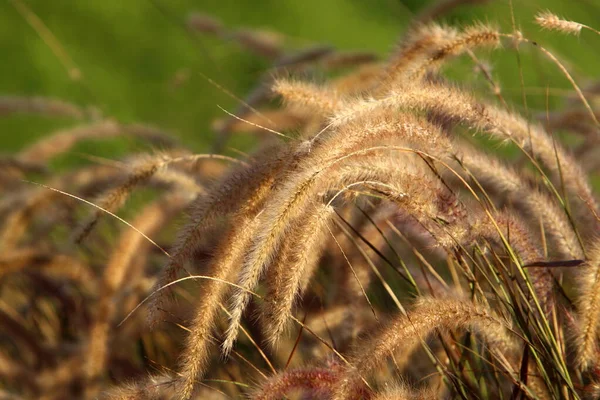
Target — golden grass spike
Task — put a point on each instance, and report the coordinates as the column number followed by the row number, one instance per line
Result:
column 415, row 194
column 414, row 47
column 307, row 96
column 223, row 266
column 292, row 200
column 507, row 184
column 428, row 315
column 297, row 259
column 429, row 46
column 317, row 382
column 285, row 205
column 241, row 190
column 457, row 105
column 115, row 199
column 254, row 186
column 405, row 392
column 588, row 309
column 550, row 21
column 470, row 38
column 144, row 169
column 155, row 387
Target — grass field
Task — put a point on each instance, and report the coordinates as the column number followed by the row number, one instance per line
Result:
column 421, row 221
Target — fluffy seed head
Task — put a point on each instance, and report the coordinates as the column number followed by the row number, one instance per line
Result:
column 550, row 21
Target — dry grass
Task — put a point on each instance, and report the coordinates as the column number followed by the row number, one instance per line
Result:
column 365, row 251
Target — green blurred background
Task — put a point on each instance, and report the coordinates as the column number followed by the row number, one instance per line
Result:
column 139, row 63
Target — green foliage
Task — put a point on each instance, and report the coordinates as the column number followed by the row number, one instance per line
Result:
column 130, row 54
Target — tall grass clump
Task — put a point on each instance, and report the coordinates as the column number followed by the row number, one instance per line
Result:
column 368, row 248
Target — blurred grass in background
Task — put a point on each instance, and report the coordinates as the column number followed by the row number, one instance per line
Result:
column 139, row 63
